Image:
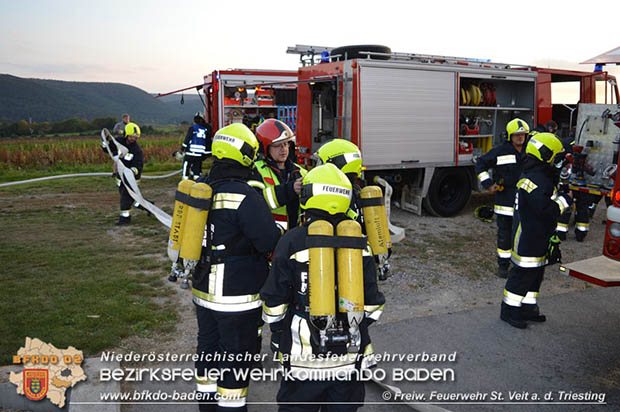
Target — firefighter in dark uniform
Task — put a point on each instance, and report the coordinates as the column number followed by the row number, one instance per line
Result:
column 505, row 161
column 537, row 209
column 234, row 265
column 347, row 157
column 583, row 202
column 195, row 147
column 287, row 307
column 134, row 160
column 280, row 175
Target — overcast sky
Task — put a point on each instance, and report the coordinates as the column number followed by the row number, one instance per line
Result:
column 164, row 45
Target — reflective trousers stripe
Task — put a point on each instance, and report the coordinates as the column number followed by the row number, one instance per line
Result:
column 562, row 227
column 125, row 213
column 512, row 299
column 227, row 307
column 584, row 227
column 373, row 312
column 528, row 262
column 530, row 298
column 505, row 254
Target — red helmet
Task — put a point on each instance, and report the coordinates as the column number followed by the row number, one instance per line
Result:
column 274, row 131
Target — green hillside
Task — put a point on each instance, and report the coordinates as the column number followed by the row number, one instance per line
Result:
column 54, row 100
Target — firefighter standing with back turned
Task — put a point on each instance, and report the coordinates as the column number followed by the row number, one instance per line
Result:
column 309, row 299
column 195, row 146
column 537, row 209
column 505, row 160
column 280, row 175
column 233, row 267
column 347, row 157
column 133, row 160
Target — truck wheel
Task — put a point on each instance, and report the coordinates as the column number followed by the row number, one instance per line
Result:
column 448, row 193
column 353, row 52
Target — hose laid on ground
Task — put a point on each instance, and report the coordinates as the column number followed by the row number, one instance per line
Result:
column 41, row 179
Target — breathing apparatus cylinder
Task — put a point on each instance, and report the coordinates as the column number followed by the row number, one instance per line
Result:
column 375, row 220
column 350, row 271
column 321, row 279
column 351, row 282
column 179, row 216
column 194, row 228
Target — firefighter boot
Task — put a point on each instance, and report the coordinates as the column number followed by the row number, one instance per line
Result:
column 123, row 220
column 532, row 313
column 561, row 235
column 512, row 315
column 580, row 235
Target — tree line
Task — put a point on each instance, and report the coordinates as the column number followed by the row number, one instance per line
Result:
column 73, row 125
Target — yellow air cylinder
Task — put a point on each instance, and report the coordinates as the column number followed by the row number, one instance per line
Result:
column 179, row 216
column 321, row 274
column 375, row 220
column 193, row 232
column 350, row 270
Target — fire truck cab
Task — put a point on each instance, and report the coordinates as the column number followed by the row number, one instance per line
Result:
column 421, row 120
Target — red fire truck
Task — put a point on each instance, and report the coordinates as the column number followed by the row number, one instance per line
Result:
column 421, row 120
column 249, row 96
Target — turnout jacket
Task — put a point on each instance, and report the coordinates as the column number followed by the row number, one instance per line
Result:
column 133, row 159
column 505, row 161
column 197, row 140
column 286, row 308
column 278, row 189
column 241, row 234
column 537, row 209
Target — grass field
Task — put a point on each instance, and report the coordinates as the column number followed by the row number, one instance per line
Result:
column 57, row 155
column 68, row 275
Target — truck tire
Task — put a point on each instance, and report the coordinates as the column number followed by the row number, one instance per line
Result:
column 448, row 193
column 353, row 52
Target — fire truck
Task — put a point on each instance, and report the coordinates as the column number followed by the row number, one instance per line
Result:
column 250, row 96
column 247, row 96
column 422, row 120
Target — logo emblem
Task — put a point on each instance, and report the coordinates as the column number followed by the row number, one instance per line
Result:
column 35, row 383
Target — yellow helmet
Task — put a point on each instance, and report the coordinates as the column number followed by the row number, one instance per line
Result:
column 132, row 129
column 544, row 147
column 235, row 142
column 326, row 188
column 342, row 153
column 517, row 126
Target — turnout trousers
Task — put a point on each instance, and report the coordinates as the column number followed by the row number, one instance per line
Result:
column 504, row 240
column 523, row 286
column 192, row 167
column 294, row 393
column 228, row 336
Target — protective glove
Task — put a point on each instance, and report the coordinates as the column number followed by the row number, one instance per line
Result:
column 554, row 255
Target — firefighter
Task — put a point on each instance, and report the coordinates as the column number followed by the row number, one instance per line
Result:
column 240, row 236
column 290, row 293
column 280, row 176
column 195, row 147
column 582, row 206
column 119, row 131
column 537, row 208
column 134, row 160
column 505, row 161
column 348, row 158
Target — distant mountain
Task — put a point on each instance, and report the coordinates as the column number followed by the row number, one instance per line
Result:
column 55, row 100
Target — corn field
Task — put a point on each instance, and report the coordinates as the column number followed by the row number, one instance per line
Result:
column 60, row 152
